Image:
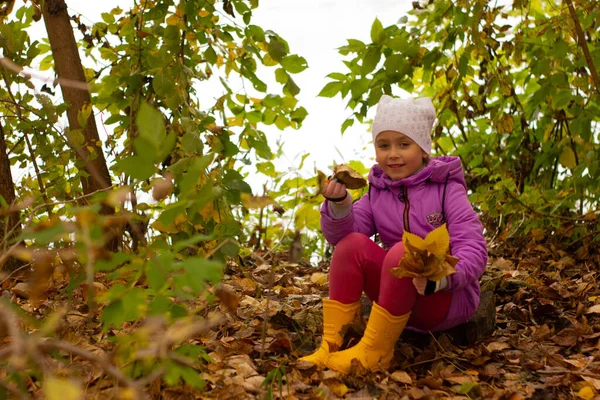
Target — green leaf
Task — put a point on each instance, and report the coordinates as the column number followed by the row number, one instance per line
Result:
column 466, row 387
column 307, row 216
column 281, row 76
column 463, row 65
column 299, row 114
column 191, row 143
column 255, row 33
column 210, row 55
column 167, row 146
column 294, row 64
column 134, row 304
column 331, row 89
column 151, row 125
column 45, row 236
column 267, row 168
column 155, row 276
column 337, row 76
column 112, row 263
column 377, row 31
column 112, row 315
column 347, row 123
column 160, row 305
column 163, row 85
column 136, row 167
column 233, row 180
column 291, row 87
column 192, row 377
column 359, row 87
column 371, row 60
column 192, row 176
column 182, row 244
column 276, row 50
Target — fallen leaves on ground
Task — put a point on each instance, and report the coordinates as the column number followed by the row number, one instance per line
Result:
column 546, row 344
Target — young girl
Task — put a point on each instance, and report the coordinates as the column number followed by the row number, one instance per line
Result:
column 409, row 192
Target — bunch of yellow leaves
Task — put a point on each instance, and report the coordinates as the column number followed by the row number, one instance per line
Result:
column 426, row 258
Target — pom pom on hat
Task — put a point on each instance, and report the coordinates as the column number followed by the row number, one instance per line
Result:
column 412, row 117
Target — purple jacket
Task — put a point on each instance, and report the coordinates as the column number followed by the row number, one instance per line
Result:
column 419, row 204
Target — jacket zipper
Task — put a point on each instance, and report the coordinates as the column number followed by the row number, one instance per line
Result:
column 406, row 209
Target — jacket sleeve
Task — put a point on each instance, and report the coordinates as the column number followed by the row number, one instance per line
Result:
column 360, row 219
column 467, row 242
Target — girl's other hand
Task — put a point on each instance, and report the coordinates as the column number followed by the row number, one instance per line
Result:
column 335, row 191
column 420, row 284
column 426, row 287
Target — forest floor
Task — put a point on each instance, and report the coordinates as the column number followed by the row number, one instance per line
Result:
column 546, row 342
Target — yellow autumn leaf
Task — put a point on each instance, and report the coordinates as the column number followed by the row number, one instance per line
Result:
column 173, row 19
column 416, row 241
column 438, row 241
column 62, row 389
column 426, row 258
column 235, row 121
column 505, row 124
column 210, row 212
column 338, row 388
column 586, row 393
column 251, row 202
column 567, row 157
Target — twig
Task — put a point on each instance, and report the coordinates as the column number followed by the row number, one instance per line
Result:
column 595, row 233
column 583, row 44
column 17, row 69
column 14, row 272
column 17, row 346
column 102, row 362
column 223, row 243
column 533, row 210
column 145, row 381
column 89, row 269
column 266, row 318
column 8, row 252
column 426, row 361
column 28, row 142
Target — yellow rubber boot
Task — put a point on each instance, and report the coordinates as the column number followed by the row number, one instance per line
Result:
column 376, row 349
column 335, row 316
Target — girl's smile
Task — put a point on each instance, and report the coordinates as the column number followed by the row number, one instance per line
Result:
column 398, row 155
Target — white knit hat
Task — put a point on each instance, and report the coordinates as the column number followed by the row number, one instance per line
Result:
column 413, row 118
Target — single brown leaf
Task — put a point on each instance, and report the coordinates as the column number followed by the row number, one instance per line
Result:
column 228, row 298
column 349, row 177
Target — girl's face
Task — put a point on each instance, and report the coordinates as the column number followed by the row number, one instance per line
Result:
column 398, row 155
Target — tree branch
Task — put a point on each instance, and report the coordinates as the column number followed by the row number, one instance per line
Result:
column 583, row 44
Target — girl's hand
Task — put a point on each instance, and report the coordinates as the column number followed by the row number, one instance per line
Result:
column 420, row 284
column 426, row 287
column 335, row 191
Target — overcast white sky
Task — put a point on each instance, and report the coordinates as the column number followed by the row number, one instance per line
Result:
column 313, row 29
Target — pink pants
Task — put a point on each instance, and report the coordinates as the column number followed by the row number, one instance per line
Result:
column 359, row 264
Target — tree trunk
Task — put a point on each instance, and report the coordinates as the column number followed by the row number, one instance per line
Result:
column 10, row 226
column 69, row 69
column 67, row 63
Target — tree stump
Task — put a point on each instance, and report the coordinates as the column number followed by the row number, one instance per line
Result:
column 480, row 326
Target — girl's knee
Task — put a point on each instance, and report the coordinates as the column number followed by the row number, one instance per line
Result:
column 352, row 240
column 394, row 256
